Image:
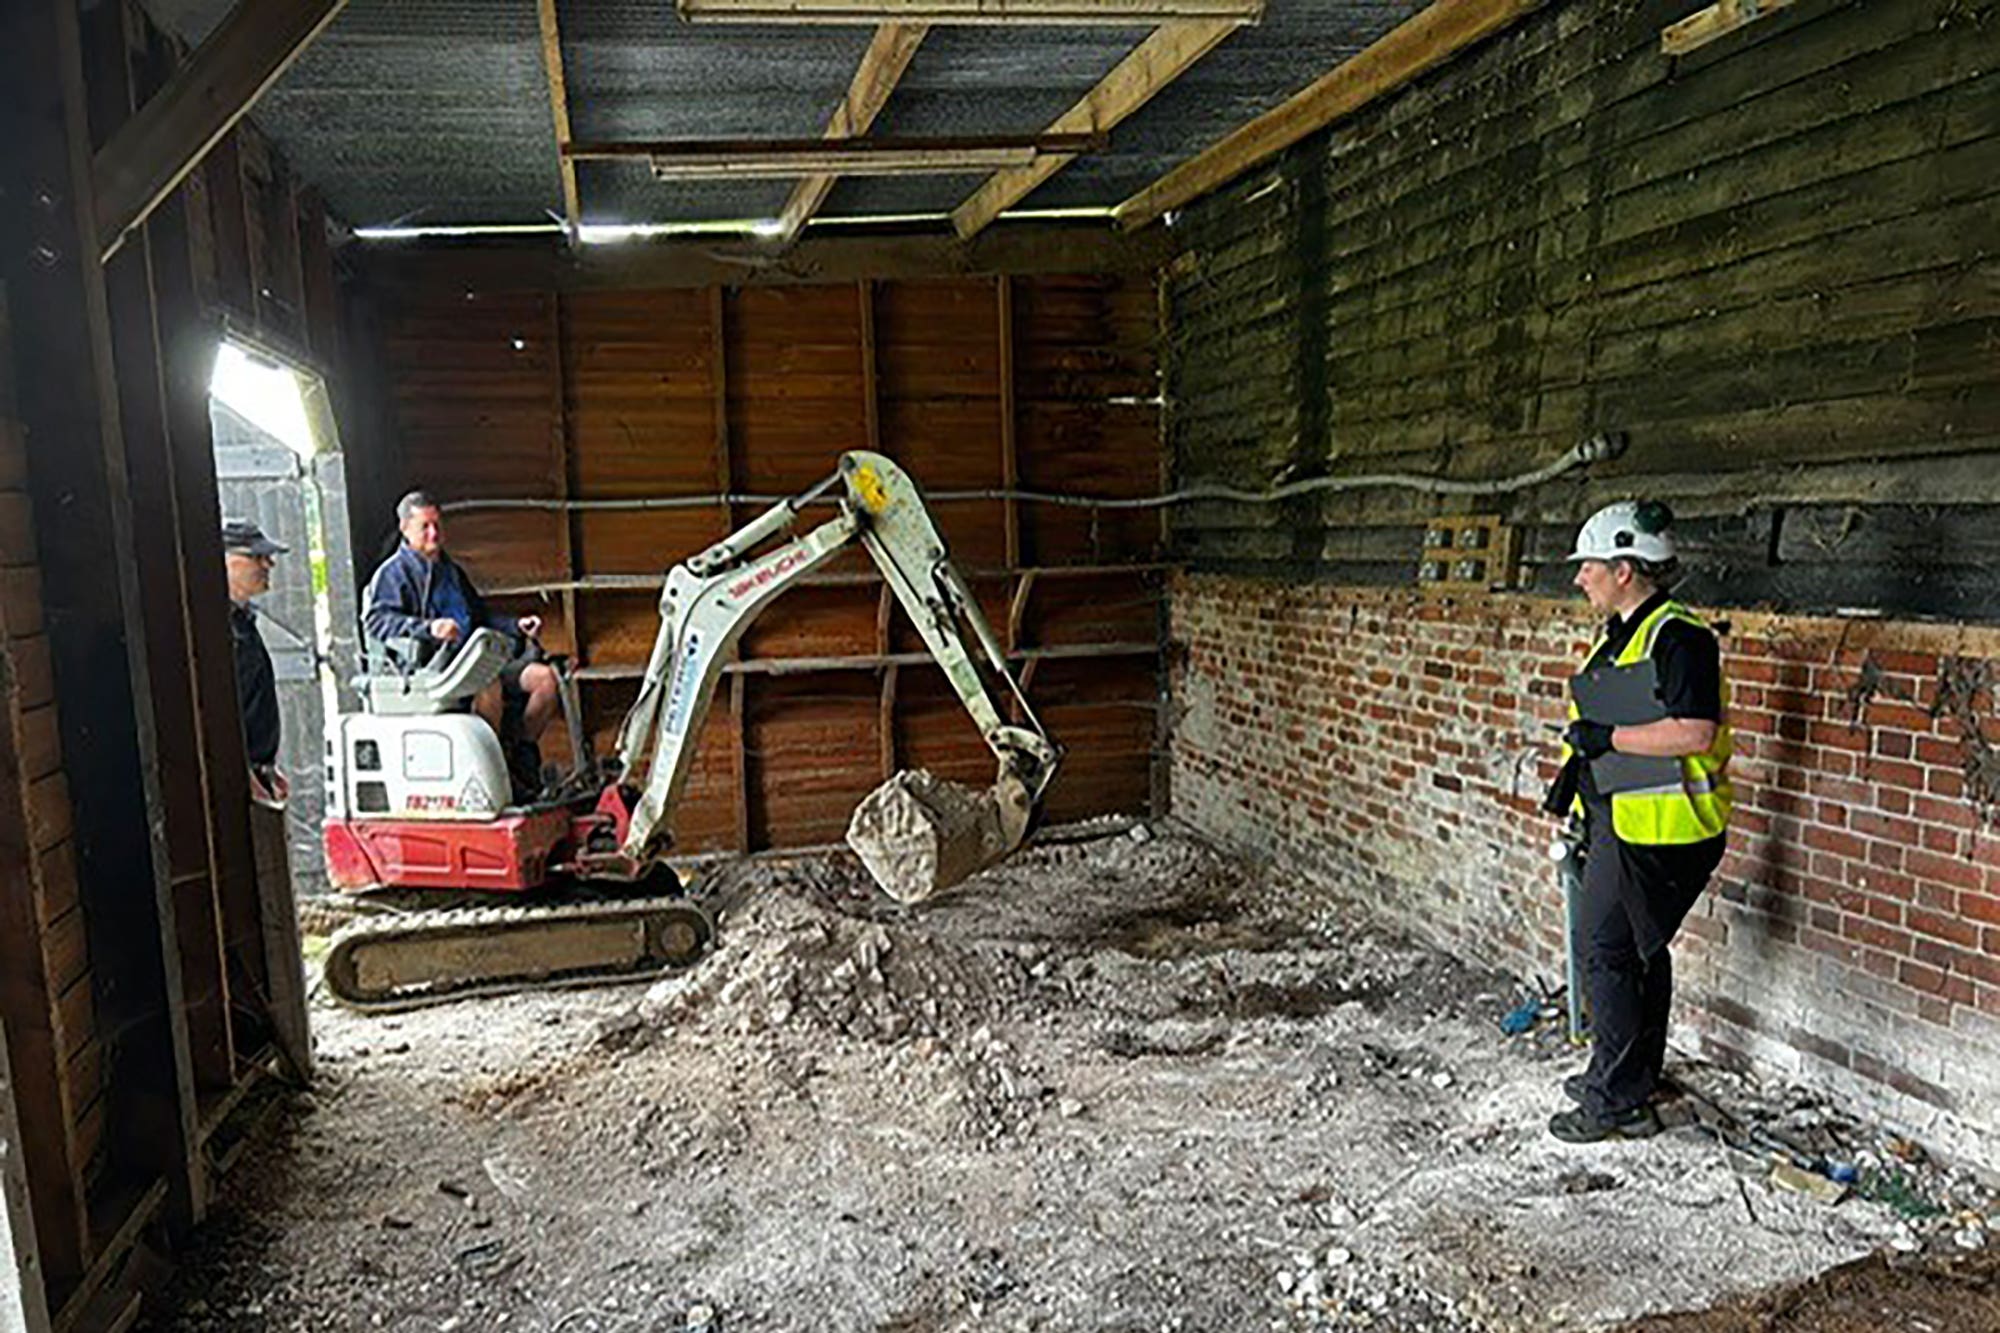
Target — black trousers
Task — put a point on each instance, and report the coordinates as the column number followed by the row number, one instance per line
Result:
column 1633, row 902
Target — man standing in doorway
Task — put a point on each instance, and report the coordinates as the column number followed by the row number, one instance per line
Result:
column 1656, row 800
column 248, row 556
column 421, row 594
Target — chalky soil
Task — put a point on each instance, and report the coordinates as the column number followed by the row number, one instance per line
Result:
column 1124, row 1082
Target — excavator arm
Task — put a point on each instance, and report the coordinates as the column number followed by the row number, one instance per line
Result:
column 711, row 599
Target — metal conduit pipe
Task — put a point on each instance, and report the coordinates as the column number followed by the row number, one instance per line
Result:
column 1596, row 449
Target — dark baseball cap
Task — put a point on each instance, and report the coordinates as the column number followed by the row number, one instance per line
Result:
column 246, row 538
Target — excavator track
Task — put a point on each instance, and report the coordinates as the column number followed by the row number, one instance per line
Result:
column 403, row 961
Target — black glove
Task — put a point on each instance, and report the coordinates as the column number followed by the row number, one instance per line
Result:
column 1562, row 792
column 1589, row 739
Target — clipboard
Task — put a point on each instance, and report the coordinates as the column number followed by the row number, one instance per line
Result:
column 1624, row 697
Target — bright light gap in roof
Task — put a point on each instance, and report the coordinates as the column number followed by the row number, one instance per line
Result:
column 608, row 233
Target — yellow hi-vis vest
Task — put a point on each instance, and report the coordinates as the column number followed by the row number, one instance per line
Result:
column 1697, row 807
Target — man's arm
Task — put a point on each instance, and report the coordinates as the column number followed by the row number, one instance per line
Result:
column 1689, row 665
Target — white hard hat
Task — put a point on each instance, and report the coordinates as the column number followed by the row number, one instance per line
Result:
column 1630, row 528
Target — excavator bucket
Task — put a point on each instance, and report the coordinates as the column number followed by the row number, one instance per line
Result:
column 919, row 834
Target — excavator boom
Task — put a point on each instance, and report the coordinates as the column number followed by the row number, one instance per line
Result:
column 709, row 601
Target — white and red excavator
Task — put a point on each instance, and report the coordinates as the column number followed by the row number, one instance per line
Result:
column 573, row 888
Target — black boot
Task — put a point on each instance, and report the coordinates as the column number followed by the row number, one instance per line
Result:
column 524, row 770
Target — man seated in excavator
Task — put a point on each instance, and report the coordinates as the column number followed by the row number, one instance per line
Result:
column 421, row 608
column 415, row 791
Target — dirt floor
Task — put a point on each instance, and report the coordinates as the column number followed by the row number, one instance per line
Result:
column 1120, row 1084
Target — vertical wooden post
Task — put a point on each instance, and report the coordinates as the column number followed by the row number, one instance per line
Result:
column 1010, row 463
column 77, row 476
column 24, row 1306
column 725, row 482
column 163, row 568
column 871, row 394
column 885, row 618
column 562, row 474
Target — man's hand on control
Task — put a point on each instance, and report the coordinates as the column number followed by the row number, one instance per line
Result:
column 1589, row 739
column 444, row 629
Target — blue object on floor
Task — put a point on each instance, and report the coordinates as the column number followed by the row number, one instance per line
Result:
column 1520, row 1018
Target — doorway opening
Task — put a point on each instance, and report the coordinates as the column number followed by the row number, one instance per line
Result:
column 278, row 463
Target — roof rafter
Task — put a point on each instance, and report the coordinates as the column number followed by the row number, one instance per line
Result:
column 1153, row 64
column 1432, row 37
column 153, row 152
column 552, row 66
column 881, row 68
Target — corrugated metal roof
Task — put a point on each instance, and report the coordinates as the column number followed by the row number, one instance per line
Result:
column 437, row 112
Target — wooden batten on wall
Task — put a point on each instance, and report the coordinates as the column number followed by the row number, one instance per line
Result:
column 1773, row 290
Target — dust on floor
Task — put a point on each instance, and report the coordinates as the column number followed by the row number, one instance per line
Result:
column 1129, row 1083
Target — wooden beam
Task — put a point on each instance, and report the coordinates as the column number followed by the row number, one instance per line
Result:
column 548, row 264
column 562, row 473
column 871, row 383
column 668, row 153
column 154, row 150
column 1010, row 456
column 1718, row 20
column 1113, row 13
column 881, row 67
column 1153, row 64
column 23, row 1289
column 1431, row 38
column 552, row 67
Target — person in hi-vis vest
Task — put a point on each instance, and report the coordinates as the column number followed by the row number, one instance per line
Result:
column 1651, row 775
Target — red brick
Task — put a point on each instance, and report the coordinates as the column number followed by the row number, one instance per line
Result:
column 1836, row 736
column 1934, row 811
column 1894, row 773
column 1894, row 801
column 1876, row 935
column 1944, row 869
column 1879, row 964
column 1899, row 716
column 1955, row 929
column 1980, row 907
column 1933, row 1009
column 1872, row 825
column 1886, row 855
column 1894, row 744
column 1939, row 753
column 1914, row 664
column 1838, row 843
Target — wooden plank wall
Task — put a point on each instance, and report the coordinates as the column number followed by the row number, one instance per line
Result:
column 1765, row 261
column 973, row 383
column 46, row 982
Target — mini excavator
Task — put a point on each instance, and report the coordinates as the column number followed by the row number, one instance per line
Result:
column 572, row 888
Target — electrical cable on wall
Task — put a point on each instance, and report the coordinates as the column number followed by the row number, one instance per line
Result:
column 1593, row 450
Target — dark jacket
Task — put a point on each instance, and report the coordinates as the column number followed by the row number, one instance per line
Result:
column 402, row 601
column 256, row 687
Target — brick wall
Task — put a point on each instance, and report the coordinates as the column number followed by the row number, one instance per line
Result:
column 1397, row 749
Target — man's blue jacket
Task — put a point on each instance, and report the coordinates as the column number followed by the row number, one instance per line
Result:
column 404, row 598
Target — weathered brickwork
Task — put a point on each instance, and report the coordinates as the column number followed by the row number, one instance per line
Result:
column 1397, row 749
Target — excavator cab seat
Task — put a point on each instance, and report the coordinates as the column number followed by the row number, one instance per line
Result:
column 395, row 687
